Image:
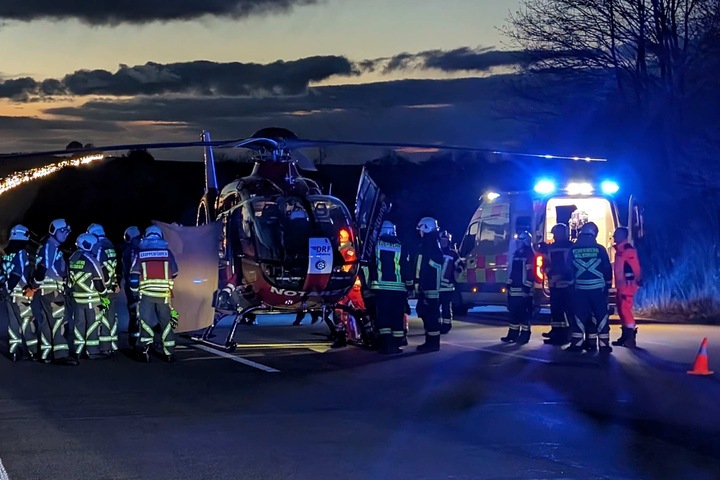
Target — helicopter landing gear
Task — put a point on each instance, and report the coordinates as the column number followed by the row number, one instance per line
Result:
column 229, row 345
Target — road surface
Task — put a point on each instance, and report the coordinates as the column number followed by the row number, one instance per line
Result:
column 286, row 406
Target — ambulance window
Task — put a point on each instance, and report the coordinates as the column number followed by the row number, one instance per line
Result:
column 468, row 241
column 493, row 238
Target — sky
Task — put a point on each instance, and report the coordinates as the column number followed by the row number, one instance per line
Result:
column 154, row 71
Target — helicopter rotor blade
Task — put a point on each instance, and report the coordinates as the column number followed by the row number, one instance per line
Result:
column 304, row 162
column 111, row 148
column 305, row 143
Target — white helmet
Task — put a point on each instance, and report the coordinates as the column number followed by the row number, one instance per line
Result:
column 20, row 232
column 86, row 241
column 154, row 231
column 388, row 228
column 96, row 229
column 58, row 224
column 427, row 225
column 131, row 233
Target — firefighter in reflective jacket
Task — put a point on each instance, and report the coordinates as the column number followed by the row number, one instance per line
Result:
column 520, row 291
column 387, row 277
column 447, row 282
column 428, row 272
column 559, row 277
column 592, row 277
column 151, row 275
column 106, row 255
column 18, row 263
column 49, row 301
column 129, row 252
column 627, row 280
column 87, row 286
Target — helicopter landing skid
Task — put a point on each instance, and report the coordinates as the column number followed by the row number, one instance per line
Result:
column 229, row 346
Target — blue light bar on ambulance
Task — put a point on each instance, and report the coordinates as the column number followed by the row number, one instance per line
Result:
column 492, row 196
column 544, row 187
column 608, row 187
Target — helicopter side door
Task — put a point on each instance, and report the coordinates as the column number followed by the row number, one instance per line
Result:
column 370, row 209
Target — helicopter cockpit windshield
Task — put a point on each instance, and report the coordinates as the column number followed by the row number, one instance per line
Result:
column 283, row 227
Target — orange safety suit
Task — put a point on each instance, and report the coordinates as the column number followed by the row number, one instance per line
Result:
column 627, row 279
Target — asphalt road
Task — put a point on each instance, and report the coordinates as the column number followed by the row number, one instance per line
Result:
column 285, row 406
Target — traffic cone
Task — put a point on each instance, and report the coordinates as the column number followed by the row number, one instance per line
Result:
column 701, row 361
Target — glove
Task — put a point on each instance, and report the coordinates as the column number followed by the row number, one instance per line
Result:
column 174, row 316
column 29, row 291
column 104, row 303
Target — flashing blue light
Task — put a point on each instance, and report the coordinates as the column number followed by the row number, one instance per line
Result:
column 608, row 187
column 545, row 187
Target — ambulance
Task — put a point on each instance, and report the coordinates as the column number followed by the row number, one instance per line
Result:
column 489, row 240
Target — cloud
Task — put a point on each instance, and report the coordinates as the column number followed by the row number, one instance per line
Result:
column 96, row 12
column 462, row 113
column 197, row 77
column 460, row 59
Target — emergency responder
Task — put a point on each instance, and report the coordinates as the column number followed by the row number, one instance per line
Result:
column 346, row 249
column 49, row 301
column 129, row 253
column 628, row 276
column 347, row 252
column 387, row 278
column 447, row 282
column 555, row 267
column 428, row 272
column 520, row 291
column 106, row 255
column 18, row 264
column 592, row 277
column 151, row 275
column 87, row 286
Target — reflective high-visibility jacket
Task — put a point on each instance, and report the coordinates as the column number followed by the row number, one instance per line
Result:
column 87, row 281
column 387, row 270
column 627, row 268
column 428, row 266
column 447, row 281
column 106, row 255
column 520, row 279
column 590, row 264
column 154, row 269
column 556, row 264
column 50, row 268
column 17, row 269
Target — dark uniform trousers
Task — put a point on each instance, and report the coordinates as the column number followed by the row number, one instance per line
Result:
column 49, row 310
column 389, row 315
column 21, row 334
column 156, row 325
column 591, row 318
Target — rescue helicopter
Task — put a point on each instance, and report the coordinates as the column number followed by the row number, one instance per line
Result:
column 279, row 244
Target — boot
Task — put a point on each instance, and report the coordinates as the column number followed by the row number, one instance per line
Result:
column 144, row 355
column 524, row 337
column 445, row 328
column 16, row 355
column 403, row 341
column 627, row 338
column 551, row 333
column 340, row 340
column 558, row 336
column 574, row 348
column 511, row 336
column 389, row 345
column 590, row 344
column 66, row 361
column 432, row 344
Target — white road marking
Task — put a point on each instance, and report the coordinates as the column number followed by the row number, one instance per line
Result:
column 235, row 358
column 507, row 354
column 3, row 472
